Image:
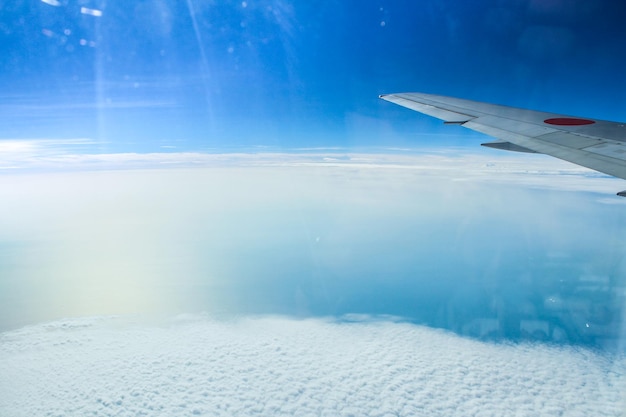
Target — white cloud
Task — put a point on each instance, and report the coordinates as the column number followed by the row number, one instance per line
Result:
column 277, row 366
column 459, row 165
column 25, row 153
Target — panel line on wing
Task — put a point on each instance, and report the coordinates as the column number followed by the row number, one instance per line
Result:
column 569, row 139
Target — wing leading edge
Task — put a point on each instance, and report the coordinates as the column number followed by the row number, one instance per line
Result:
column 596, row 144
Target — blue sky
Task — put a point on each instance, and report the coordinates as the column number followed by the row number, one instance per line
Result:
column 109, row 85
column 219, row 75
column 205, row 205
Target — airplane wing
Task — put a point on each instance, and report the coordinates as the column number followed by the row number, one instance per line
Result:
column 596, row 144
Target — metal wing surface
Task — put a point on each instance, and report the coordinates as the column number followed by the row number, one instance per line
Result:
column 596, row 144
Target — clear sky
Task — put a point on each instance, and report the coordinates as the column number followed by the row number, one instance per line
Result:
column 109, row 84
column 204, row 75
column 206, row 209
column 136, row 84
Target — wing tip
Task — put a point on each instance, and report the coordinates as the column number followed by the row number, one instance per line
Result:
column 387, row 97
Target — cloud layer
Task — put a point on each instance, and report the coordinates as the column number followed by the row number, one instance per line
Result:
column 314, row 234
column 194, row 365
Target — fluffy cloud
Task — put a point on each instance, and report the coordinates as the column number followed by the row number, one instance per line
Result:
column 195, row 365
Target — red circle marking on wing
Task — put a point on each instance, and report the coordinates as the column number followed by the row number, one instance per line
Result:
column 568, row 121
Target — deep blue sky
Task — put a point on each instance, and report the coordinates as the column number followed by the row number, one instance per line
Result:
column 198, row 76
column 201, row 75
